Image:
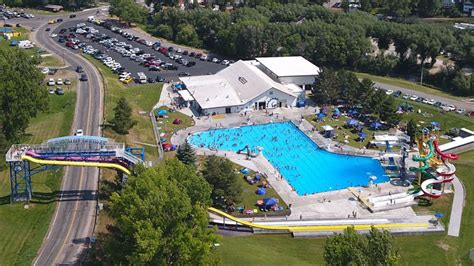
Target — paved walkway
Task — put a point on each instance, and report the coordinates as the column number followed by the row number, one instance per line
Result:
column 456, row 209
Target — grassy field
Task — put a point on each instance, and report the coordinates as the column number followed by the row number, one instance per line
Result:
column 414, row 250
column 423, row 118
column 22, row 230
column 51, row 61
column 407, row 84
column 250, row 197
column 141, row 98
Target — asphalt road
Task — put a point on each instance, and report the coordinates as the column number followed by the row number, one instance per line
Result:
column 201, row 67
column 459, row 104
column 73, row 220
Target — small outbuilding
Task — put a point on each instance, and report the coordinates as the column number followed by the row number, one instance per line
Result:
column 53, row 8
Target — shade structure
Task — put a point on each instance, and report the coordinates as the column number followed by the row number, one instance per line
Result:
column 376, row 125
column 352, row 122
column 439, row 215
column 177, row 121
column 162, row 112
column 321, row 115
column 244, row 171
column 435, row 123
column 268, row 202
column 261, row 191
column 336, row 111
column 362, row 135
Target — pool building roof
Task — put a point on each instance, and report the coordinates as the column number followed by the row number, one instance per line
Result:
column 235, row 85
column 289, row 66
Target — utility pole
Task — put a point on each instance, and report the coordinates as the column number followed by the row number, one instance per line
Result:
column 421, row 76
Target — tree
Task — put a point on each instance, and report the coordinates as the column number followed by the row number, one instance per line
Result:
column 350, row 248
column 226, row 188
column 186, row 154
column 429, row 8
column 158, row 222
column 122, row 121
column 128, row 11
column 381, row 249
column 411, row 130
column 164, row 31
column 326, row 86
column 188, row 36
column 461, row 83
column 399, row 8
column 366, row 5
column 22, row 96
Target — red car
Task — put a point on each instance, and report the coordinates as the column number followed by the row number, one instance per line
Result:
column 470, row 113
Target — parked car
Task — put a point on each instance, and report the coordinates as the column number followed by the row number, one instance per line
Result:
column 397, row 94
column 59, row 82
column 59, row 91
column 183, row 74
column 470, row 113
column 460, row 111
column 413, row 97
column 159, row 79
column 48, row 29
column 72, row 16
column 431, row 102
column 79, row 132
column 83, row 77
column 51, row 82
column 67, row 82
column 389, row 92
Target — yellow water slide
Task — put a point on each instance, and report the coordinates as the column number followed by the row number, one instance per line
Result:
column 77, row 163
column 293, row 228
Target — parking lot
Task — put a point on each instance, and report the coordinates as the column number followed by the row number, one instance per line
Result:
column 124, row 53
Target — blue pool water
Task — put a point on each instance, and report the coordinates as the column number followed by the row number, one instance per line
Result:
column 299, row 160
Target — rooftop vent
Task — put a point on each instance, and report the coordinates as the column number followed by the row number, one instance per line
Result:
column 242, row 80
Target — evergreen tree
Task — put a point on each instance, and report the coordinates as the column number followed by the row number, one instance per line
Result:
column 122, row 121
column 411, row 130
column 226, row 188
column 186, row 154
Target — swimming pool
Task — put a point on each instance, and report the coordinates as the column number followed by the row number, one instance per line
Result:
column 299, row 160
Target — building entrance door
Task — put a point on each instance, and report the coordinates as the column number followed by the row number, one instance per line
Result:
column 227, row 110
column 261, row 105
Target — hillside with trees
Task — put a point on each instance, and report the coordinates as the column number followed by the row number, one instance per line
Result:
column 329, row 39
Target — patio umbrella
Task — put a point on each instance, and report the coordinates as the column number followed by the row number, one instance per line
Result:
column 362, row 135
column 439, row 215
column 375, row 125
column 268, row 202
column 321, row 115
column 261, row 191
column 336, row 111
column 162, row 112
column 435, row 124
column 352, row 122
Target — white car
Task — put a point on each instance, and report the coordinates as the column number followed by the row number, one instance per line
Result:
column 413, row 98
column 225, row 62
column 59, row 82
column 460, row 111
column 51, row 82
column 406, row 96
column 53, row 35
column 45, row 70
column 204, row 58
column 431, row 102
column 79, row 132
column 51, row 91
column 426, row 101
column 451, row 107
column 389, row 92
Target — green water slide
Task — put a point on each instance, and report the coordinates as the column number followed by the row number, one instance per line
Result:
column 424, row 160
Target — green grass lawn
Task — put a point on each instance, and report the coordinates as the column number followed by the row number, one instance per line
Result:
column 250, row 197
column 437, row 249
column 141, row 98
column 51, row 61
column 407, row 84
column 23, row 230
column 424, row 118
column 446, row 120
